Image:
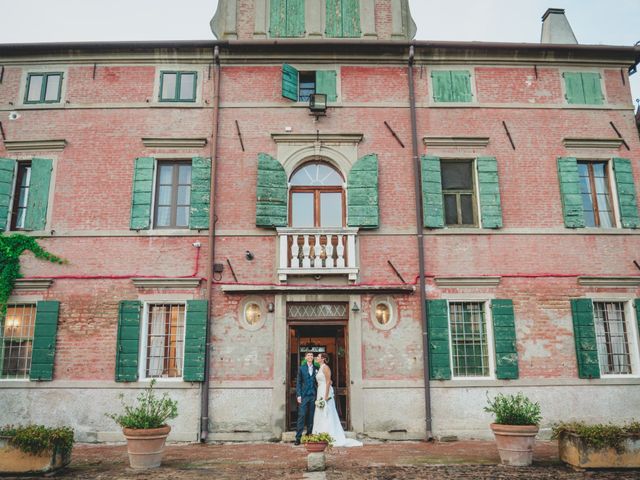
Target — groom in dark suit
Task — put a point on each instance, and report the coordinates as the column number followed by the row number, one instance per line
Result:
column 306, row 389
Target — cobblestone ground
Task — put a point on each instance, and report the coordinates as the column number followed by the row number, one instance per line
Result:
column 380, row 461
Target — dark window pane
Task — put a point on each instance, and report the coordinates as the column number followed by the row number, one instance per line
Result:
column 450, row 210
column 53, row 88
column 35, row 88
column 187, row 86
column 168, row 86
column 307, row 82
column 330, row 209
column 302, row 210
column 466, row 205
column 457, row 176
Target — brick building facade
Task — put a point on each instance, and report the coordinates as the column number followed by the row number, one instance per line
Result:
column 116, row 156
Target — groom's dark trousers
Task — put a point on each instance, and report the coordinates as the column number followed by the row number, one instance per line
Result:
column 306, row 389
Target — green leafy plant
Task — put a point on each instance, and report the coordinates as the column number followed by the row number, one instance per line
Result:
column 35, row 439
column 514, row 410
column 149, row 412
column 11, row 247
column 599, row 435
column 318, row 438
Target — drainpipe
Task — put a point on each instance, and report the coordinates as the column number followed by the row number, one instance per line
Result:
column 204, row 394
column 420, row 236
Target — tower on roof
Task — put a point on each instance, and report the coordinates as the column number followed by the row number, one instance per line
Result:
column 313, row 19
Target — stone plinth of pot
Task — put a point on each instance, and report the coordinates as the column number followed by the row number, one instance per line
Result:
column 515, row 443
column 145, row 446
column 316, row 462
column 316, row 447
column 15, row 461
column 576, row 451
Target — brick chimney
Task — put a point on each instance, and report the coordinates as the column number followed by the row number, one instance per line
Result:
column 556, row 28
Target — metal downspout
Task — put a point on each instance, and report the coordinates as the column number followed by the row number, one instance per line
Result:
column 420, row 237
column 204, row 394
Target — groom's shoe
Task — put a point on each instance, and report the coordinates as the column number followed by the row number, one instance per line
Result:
column 297, row 442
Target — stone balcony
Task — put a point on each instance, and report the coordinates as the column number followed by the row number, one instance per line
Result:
column 317, row 251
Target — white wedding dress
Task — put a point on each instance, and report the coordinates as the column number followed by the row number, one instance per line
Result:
column 326, row 419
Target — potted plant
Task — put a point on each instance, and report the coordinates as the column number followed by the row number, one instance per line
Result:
column 317, row 442
column 34, row 449
column 145, row 428
column 515, row 427
column 598, row 445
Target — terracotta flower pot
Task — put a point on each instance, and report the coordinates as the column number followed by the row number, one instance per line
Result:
column 145, row 446
column 515, row 443
column 316, row 447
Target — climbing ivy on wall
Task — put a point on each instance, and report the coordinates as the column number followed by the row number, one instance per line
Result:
column 11, row 247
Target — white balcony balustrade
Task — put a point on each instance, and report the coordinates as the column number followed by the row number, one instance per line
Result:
column 317, row 251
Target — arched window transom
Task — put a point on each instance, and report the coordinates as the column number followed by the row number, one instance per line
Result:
column 316, row 196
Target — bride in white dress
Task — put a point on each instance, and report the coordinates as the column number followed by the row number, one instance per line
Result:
column 326, row 419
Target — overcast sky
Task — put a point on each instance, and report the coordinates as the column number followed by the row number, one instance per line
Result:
column 612, row 22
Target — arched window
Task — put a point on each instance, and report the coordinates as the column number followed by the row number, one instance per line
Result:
column 316, row 196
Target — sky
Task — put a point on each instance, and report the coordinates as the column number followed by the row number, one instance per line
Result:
column 611, row 22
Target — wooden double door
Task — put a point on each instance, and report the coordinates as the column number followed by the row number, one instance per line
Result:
column 317, row 335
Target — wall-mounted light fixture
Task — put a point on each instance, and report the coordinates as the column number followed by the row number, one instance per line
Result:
column 355, row 308
column 248, row 255
column 318, row 104
column 270, row 307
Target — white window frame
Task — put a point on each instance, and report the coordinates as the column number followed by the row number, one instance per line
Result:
column 144, row 327
column 632, row 336
column 39, row 70
column 174, row 67
column 488, row 319
column 30, row 303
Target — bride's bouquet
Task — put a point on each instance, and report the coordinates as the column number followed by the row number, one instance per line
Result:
column 320, row 403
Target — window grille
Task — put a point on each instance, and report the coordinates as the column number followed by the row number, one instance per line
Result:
column 470, row 357
column 304, row 311
column 611, row 337
column 17, row 338
column 165, row 341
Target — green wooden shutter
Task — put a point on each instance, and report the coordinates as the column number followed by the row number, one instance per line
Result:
column 295, row 18
column 272, row 191
column 43, row 349
column 627, row 200
column 504, row 338
column 142, row 193
column 490, row 207
column 592, row 88
column 573, row 87
column 200, row 193
column 442, row 87
column 460, row 86
column 195, row 340
column 128, row 341
column 362, row 192
column 38, row 199
column 290, row 82
column 7, row 169
column 326, row 82
column 333, row 19
column 585, row 338
column 570, row 192
column 438, row 336
column 278, row 18
column 432, row 202
column 351, row 18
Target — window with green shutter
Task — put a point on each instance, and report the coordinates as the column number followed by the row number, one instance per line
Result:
column 343, row 19
column 43, row 87
column 571, row 197
column 449, row 193
column 24, row 206
column 504, row 338
column 300, row 85
column 16, row 340
column 287, row 18
column 626, row 188
column 128, row 340
column 177, row 86
column 451, row 86
column 180, row 191
column 585, row 338
column 438, row 340
column 271, row 193
column 195, row 340
column 583, row 88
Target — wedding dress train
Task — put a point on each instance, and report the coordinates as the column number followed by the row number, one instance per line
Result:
column 326, row 419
